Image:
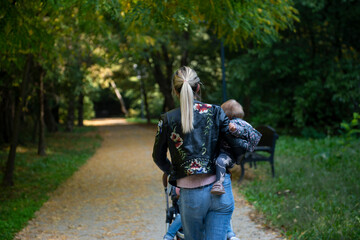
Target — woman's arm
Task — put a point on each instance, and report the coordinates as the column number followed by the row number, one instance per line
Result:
column 160, row 146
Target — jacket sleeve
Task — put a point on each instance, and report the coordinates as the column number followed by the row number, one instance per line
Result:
column 160, row 146
column 238, row 145
column 240, row 131
column 245, row 131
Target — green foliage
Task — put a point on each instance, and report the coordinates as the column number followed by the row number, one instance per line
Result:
column 315, row 193
column 352, row 128
column 237, row 22
column 308, row 82
column 37, row 177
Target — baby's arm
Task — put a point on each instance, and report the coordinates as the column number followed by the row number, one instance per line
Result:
column 237, row 128
column 242, row 129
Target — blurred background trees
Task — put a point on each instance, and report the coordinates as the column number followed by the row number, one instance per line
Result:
column 308, row 82
column 293, row 65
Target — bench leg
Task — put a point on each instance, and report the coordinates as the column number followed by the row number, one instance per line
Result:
column 242, row 172
column 272, row 168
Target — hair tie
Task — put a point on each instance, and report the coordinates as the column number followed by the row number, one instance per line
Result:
column 198, row 88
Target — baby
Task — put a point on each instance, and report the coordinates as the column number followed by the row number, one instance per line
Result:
column 239, row 129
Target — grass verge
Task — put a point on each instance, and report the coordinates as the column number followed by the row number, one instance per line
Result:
column 141, row 120
column 316, row 191
column 35, row 176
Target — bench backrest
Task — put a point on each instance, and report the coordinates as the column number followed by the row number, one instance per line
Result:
column 269, row 137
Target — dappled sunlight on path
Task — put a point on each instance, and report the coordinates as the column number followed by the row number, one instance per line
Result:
column 105, row 122
column 117, row 194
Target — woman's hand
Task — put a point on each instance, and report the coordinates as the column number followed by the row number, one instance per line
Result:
column 165, row 180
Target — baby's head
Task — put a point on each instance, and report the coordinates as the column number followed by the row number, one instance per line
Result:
column 233, row 109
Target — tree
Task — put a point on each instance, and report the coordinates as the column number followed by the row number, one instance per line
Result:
column 170, row 23
column 308, row 82
column 31, row 43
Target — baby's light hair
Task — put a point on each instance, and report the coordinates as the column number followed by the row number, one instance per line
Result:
column 233, row 109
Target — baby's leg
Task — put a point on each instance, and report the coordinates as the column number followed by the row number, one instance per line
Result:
column 222, row 162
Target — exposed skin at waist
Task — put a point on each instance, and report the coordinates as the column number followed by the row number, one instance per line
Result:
column 197, row 180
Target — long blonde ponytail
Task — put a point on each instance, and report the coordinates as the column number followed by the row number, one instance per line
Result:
column 184, row 81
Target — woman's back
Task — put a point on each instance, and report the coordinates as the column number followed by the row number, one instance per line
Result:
column 193, row 152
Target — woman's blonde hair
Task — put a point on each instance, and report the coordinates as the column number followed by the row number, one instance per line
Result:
column 186, row 83
column 233, row 109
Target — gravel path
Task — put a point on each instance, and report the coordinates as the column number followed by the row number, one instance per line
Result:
column 118, row 194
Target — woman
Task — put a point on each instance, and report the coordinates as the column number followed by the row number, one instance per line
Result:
column 192, row 133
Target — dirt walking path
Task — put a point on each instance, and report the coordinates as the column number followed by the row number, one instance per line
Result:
column 118, row 194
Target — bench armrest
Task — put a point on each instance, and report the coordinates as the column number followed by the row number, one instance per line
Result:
column 262, row 148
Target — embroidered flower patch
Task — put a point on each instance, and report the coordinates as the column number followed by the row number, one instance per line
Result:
column 195, row 167
column 202, row 108
column 177, row 139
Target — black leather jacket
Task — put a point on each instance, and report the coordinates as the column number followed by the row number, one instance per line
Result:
column 194, row 152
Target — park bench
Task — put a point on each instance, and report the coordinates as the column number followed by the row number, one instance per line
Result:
column 264, row 151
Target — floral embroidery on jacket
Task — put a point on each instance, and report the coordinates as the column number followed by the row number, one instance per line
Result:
column 202, row 107
column 196, row 166
column 177, row 139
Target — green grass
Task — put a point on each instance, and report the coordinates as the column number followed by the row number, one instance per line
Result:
column 316, row 193
column 35, row 177
column 140, row 120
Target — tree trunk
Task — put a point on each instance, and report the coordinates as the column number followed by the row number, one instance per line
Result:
column 55, row 113
column 118, row 95
column 41, row 143
column 6, row 117
column 50, row 122
column 247, row 106
column 10, row 164
column 81, row 110
column 164, row 81
column 143, row 92
column 35, row 130
column 185, row 49
column 71, row 114
column 6, row 107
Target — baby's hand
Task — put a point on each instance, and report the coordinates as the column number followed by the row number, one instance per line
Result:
column 232, row 127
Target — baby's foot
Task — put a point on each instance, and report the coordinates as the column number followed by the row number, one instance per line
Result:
column 217, row 188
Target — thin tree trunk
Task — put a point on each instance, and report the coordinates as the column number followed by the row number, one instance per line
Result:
column 247, row 106
column 118, row 95
column 71, row 114
column 55, row 113
column 163, row 81
column 6, row 116
column 143, row 92
column 185, row 49
column 35, row 130
column 81, row 110
column 8, row 179
column 49, row 118
column 41, row 144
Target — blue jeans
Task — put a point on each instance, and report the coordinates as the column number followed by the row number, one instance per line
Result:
column 230, row 233
column 204, row 215
column 174, row 227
